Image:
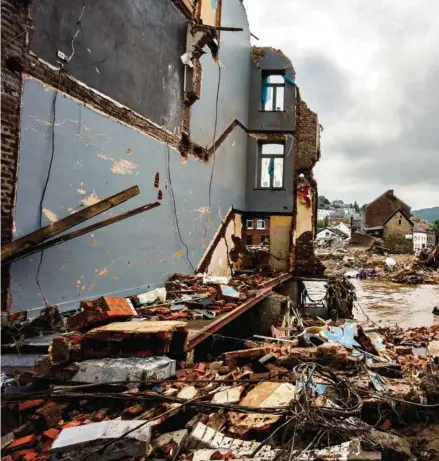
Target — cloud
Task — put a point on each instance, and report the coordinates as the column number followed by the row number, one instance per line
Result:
column 369, row 69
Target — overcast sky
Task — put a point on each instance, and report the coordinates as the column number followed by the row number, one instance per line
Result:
column 370, row 69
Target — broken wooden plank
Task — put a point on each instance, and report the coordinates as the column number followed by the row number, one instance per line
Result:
column 34, row 238
column 77, row 233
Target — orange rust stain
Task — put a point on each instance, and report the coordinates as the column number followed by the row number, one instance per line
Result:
column 94, row 243
column 179, row 254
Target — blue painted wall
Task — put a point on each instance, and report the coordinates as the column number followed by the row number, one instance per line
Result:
column 95, row 154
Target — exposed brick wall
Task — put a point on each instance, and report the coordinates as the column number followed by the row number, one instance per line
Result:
column 13, row 36
column 381, row 208
column 307, row 153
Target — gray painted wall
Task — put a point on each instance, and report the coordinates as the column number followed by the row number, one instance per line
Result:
column 272, row 121
column 235, row 77
column 271, row 201
column 130, row 51
column 95, row 154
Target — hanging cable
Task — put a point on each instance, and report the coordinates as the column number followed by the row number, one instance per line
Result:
column 52, row 155
column 78, row 29
column 171, row 191
column 213, row 149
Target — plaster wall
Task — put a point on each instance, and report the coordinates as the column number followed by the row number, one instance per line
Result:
column 96, row 156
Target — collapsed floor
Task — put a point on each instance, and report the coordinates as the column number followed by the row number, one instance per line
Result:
column 122, row 381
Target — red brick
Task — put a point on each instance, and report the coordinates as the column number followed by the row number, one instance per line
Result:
column 71, row 424
column 23, row 442
column 101, row 310
column 65, row 348
column 28, row 404
column 51, row 433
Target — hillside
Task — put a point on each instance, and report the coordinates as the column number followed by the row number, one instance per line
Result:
column 427, row 214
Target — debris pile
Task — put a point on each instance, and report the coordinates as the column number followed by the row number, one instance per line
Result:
column 356, row 262
column 122, row 390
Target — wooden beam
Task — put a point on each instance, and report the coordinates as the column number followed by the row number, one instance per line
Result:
column 79, row 232
column 34, row 238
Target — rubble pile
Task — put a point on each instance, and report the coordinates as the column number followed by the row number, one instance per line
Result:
column 358, row 263
column 122, row 390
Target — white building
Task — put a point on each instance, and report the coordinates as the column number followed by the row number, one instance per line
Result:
column 342, row 227
column 331, row 233
column 423, row 236
column 322, row 213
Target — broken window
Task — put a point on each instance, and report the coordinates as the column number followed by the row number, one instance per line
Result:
column 249, row 223
column 273, row 92
column 271, row 166
column 261, row 224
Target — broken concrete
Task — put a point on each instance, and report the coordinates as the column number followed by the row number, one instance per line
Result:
column 134, row 369
column 77, row 442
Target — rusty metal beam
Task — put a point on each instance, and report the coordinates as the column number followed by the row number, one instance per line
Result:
column 216, row 325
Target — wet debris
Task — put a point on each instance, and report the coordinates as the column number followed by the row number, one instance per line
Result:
column 317, row 389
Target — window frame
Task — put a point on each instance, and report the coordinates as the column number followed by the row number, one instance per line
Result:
column 257, row 224
column 246, row 224
column 274, row 86
column 262, row 156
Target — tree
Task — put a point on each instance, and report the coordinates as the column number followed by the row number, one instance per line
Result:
column 436, row 228
column 356, row 207
column 321, row 223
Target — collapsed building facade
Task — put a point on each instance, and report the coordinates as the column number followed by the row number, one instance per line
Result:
column 166, row 95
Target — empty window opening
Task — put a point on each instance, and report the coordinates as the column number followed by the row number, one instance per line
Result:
column 271, row 166
column 249, row 224
column 249, row 241
column 261, row 224
column 273, row 92
column 400, row 221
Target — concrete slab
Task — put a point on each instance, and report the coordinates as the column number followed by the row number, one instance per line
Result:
column 125, row 369
column 78, row 442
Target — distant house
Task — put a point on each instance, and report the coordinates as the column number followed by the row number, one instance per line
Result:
column 331, row 233
column 388, row 217
column 323, row 213
column 258, row 231
column 423, row 236
column 341, row 226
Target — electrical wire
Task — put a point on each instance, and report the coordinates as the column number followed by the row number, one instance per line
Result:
column 78, row 29
column 213, row 149
column 171, row 191
column 52, row 155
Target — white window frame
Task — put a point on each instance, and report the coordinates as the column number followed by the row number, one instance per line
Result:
column 249, row 221
column 276, row 90
column 258, row 226
column 264, row 156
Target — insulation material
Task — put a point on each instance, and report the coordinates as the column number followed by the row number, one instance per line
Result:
column 280, row 227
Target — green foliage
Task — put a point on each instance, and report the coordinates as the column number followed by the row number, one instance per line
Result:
column 427, row 214
column 436, row 228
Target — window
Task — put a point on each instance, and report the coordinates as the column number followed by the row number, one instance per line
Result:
column 271, row 166
column 261, row 224
column 249, row 224
column 273, row 92
column 249, row 240
column 400, row 222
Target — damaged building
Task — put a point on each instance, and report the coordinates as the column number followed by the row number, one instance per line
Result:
column 389, row 218
column 168, row 96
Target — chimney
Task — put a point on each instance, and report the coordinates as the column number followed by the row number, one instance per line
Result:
column 390, row 192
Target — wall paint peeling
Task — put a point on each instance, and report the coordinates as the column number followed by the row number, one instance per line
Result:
column 134, row 246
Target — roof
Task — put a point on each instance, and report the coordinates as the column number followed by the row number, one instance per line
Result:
column 385, row 193
column 335, row 231
column 374, row 228
column 422, row 227
column 398, row 210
